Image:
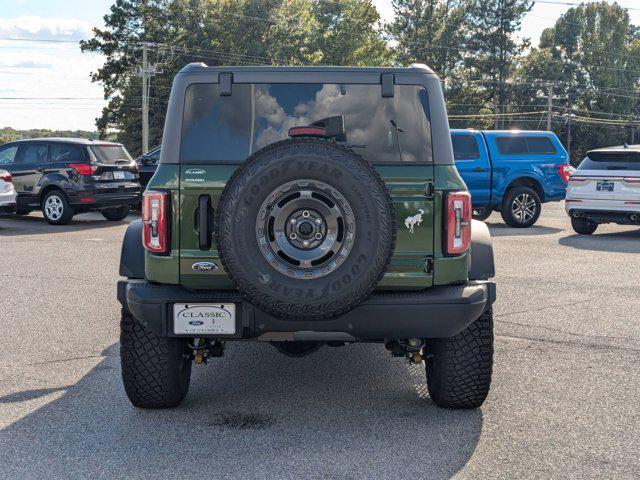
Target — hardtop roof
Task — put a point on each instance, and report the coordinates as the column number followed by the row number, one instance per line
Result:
column 204, row 68
column 616, row 149
column 75, row 141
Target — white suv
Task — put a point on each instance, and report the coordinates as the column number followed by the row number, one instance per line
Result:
column 7, row 193
column 605, row 189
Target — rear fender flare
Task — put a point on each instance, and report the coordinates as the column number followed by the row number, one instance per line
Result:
column 132, row 253
column 482, row 264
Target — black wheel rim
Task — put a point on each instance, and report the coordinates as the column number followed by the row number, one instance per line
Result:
column 305, row 229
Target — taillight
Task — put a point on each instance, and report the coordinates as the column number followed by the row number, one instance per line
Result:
column 155, row 222
column 631, row 180
column 83, row 168
column 6, row 177
column 458, row 226
column 578, row 179
column 565, row 172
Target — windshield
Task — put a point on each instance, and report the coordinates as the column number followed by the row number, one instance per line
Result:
column 110, row 154
column 614, row 160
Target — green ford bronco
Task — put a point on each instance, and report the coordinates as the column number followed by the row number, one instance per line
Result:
column 306, row 207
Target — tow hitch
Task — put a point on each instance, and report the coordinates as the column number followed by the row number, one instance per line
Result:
column 411, row 349
column 203, row 349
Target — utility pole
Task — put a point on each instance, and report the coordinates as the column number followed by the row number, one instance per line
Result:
column 145, row 100
column 632, row 127
column 146, row 71
column 549, row 107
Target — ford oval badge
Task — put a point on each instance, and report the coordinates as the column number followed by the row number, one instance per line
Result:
column 196, row 323
column 204, row 266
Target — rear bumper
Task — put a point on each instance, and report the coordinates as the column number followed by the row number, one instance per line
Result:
column 605, row 211
column 605, row 216
column 437, row 312
column 92, row 200
column 7, row 207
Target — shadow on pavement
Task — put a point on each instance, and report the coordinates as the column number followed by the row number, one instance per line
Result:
column 349, row 412
column 30, row 394
column 622, row 242
column 504, row 230
column 17, row 225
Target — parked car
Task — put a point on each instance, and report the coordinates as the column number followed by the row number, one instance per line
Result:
column 147, row 165
column 605, row 189
column 513, row 172
column 7, row 193
column 315, row 205
column 63, row 177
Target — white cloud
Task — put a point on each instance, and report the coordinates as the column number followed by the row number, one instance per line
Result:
column 27, row 26
column 36, row 73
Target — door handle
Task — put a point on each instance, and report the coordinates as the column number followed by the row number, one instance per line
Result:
column 479, row 169
column 205, row 222
column 39, row 169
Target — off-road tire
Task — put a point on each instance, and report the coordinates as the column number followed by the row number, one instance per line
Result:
column 459, row 368
column 156, row 371
column 508, row 203
column 337, row 168
column 67, row 211
column 116, row 214
column 583, row 226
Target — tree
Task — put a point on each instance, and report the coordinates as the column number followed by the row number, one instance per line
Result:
column 221, row 32
column 592, row 58
column 432, row 32
column 492, row 49
column 348, row 33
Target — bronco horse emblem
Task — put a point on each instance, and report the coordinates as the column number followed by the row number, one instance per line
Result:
column 411, row 222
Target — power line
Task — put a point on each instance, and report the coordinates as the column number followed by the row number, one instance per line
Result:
column 44, row 40
column 574, row 4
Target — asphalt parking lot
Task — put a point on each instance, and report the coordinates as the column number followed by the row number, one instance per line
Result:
column 564, row 401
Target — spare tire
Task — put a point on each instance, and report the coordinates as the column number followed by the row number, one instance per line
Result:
column 305, row 228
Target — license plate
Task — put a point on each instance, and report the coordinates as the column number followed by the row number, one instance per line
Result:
column 204, row 318
column 118, row 175
column 605, row 186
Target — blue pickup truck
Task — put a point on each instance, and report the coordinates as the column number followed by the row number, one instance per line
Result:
column 513, row 172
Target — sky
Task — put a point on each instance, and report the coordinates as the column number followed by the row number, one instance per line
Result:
column 48, row 85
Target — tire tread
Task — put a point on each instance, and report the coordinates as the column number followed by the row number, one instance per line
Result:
column 460, row 368
column 151, row 370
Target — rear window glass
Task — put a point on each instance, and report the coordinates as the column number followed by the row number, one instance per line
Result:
column 230, row 128
column 110, row 154
column 541, row 146
column 32, row 154
column 8, row 154
column 465, row 147
column 512, row 145
column 60, row 152
column 525, row 146
column 611, row 161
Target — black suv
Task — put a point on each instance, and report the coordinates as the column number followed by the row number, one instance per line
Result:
column 147, row 165
column 65, row 176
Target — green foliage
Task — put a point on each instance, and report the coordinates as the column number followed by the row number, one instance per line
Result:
column 221, row 32
column 493, row 49
column 432, row 32
column 591, row 56
column 10, row 134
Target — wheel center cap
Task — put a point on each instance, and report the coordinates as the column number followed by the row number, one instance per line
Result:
column 305, row 228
